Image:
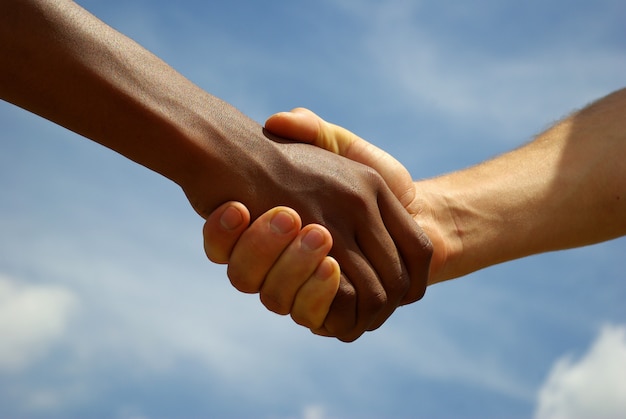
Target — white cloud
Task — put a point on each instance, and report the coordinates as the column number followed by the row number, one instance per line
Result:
column 32, row 317
column 593, row 387
column 314, row 412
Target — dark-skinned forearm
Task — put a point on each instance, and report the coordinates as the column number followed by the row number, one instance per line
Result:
column 64, row 64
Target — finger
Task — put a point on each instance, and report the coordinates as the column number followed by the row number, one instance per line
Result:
column 222, row 230
column 315, row 296
column 395, row 175
column 322, row 331
column 300, row 124
column 305, row 126
column 343, row 320
column 295, row 265
column 377, row 301
column 260, row 246
column 379, row 277
column 412, row 243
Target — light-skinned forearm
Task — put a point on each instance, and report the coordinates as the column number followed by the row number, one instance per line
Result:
column 565, row 189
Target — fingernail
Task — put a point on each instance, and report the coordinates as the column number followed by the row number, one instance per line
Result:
column 325, row 270
column 231, row 218
column 313, row 240
column 282, row 222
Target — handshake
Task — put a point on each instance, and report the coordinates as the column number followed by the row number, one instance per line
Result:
column 341, row 235
column 289, row 264
column 534, row 199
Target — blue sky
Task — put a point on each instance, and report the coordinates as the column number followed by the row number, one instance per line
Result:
column 108, row 307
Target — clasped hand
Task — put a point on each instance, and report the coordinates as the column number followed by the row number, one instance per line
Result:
column 383, row 254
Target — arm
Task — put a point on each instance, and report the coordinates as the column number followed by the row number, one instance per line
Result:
column 62, row 63
column 565, row 189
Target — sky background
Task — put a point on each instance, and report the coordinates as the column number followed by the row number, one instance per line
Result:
column 109, row 308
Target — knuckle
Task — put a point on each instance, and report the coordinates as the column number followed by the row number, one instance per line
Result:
column 400, row 285
column 365, row 178
column 341, row 318
column 303, row 320
column 345, row 299
column 349, row 338
column 274, row 303
column 417, row 290
column 215, row 255
column 375, row 302
column 373, row 177
column 241, row 282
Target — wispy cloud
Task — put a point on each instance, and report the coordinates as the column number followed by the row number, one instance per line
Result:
column 485, row 77
column 590, row 387
column 32, row 319
column 140, row 320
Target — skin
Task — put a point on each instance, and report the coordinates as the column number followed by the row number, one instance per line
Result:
column 565, row 189
column 267, row 254
column 62, row 63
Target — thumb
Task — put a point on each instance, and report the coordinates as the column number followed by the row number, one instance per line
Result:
column 304, row 126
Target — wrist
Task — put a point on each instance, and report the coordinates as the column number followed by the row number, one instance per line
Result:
column 229, row 156
column 434, row 214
